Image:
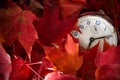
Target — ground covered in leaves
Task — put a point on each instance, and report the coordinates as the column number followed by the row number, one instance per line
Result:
column 35, row 41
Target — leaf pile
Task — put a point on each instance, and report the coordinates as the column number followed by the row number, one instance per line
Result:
column 35, row 41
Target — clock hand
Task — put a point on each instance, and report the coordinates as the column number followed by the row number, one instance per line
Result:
column 108, row 36
column 92, row 39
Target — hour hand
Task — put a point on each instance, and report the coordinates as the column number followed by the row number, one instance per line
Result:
column 91, row 40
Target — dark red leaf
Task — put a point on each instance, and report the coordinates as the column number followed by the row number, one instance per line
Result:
column 87, row 71
column 95, row 4
column 46, row 67
column 51, row 28
column 18, row 50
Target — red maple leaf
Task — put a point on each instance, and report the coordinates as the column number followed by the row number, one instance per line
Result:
column 108, row 64
column 69, row 7
column 38, row 61
column 17, row 24
column 87, row 71
column 5, row 64
column 20, row 71
column 57, row 20
column 52, row 27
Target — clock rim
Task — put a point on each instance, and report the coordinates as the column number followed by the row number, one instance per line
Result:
column 98, row 13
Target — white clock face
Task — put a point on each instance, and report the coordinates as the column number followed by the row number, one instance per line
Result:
column 95, row 29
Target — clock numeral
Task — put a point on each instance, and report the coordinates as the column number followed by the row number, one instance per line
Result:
column 105, row 29
column 81, row 26
column 88, row 22
column 97, row 22
column 96, row 29
column 75, row 34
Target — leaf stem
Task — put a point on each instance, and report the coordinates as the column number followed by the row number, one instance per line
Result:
column 34, row 72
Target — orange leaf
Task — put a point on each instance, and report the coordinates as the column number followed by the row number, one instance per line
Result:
column 97, row 74
column 68, row 60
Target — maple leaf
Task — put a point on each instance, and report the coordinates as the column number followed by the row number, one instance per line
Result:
column 108, row 64
column 67, row 60
column 68, row 7
column 37, row 59
column 37, row 53
column 87, row 70
column 18, row 50
column 46, row 67
column 52, row 27
column 5, row 64
column 17, row 24
column 19, row 70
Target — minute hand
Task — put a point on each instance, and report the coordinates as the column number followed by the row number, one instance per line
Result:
column 107, row 36
column 92, row 39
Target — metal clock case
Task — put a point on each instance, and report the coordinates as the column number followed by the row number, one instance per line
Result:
column 95, row 27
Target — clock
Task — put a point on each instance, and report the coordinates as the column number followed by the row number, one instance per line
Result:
column 94, row 28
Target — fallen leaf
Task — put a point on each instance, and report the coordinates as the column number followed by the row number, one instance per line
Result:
column 17, row 24
column 69, row 7
column 67, row 60
column 19, row 70
column 5, row 64
column 51, row 27
column 108, row 64
column 87, row 70
column 46, row 67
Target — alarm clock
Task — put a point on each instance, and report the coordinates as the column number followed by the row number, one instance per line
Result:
column 94, row 28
